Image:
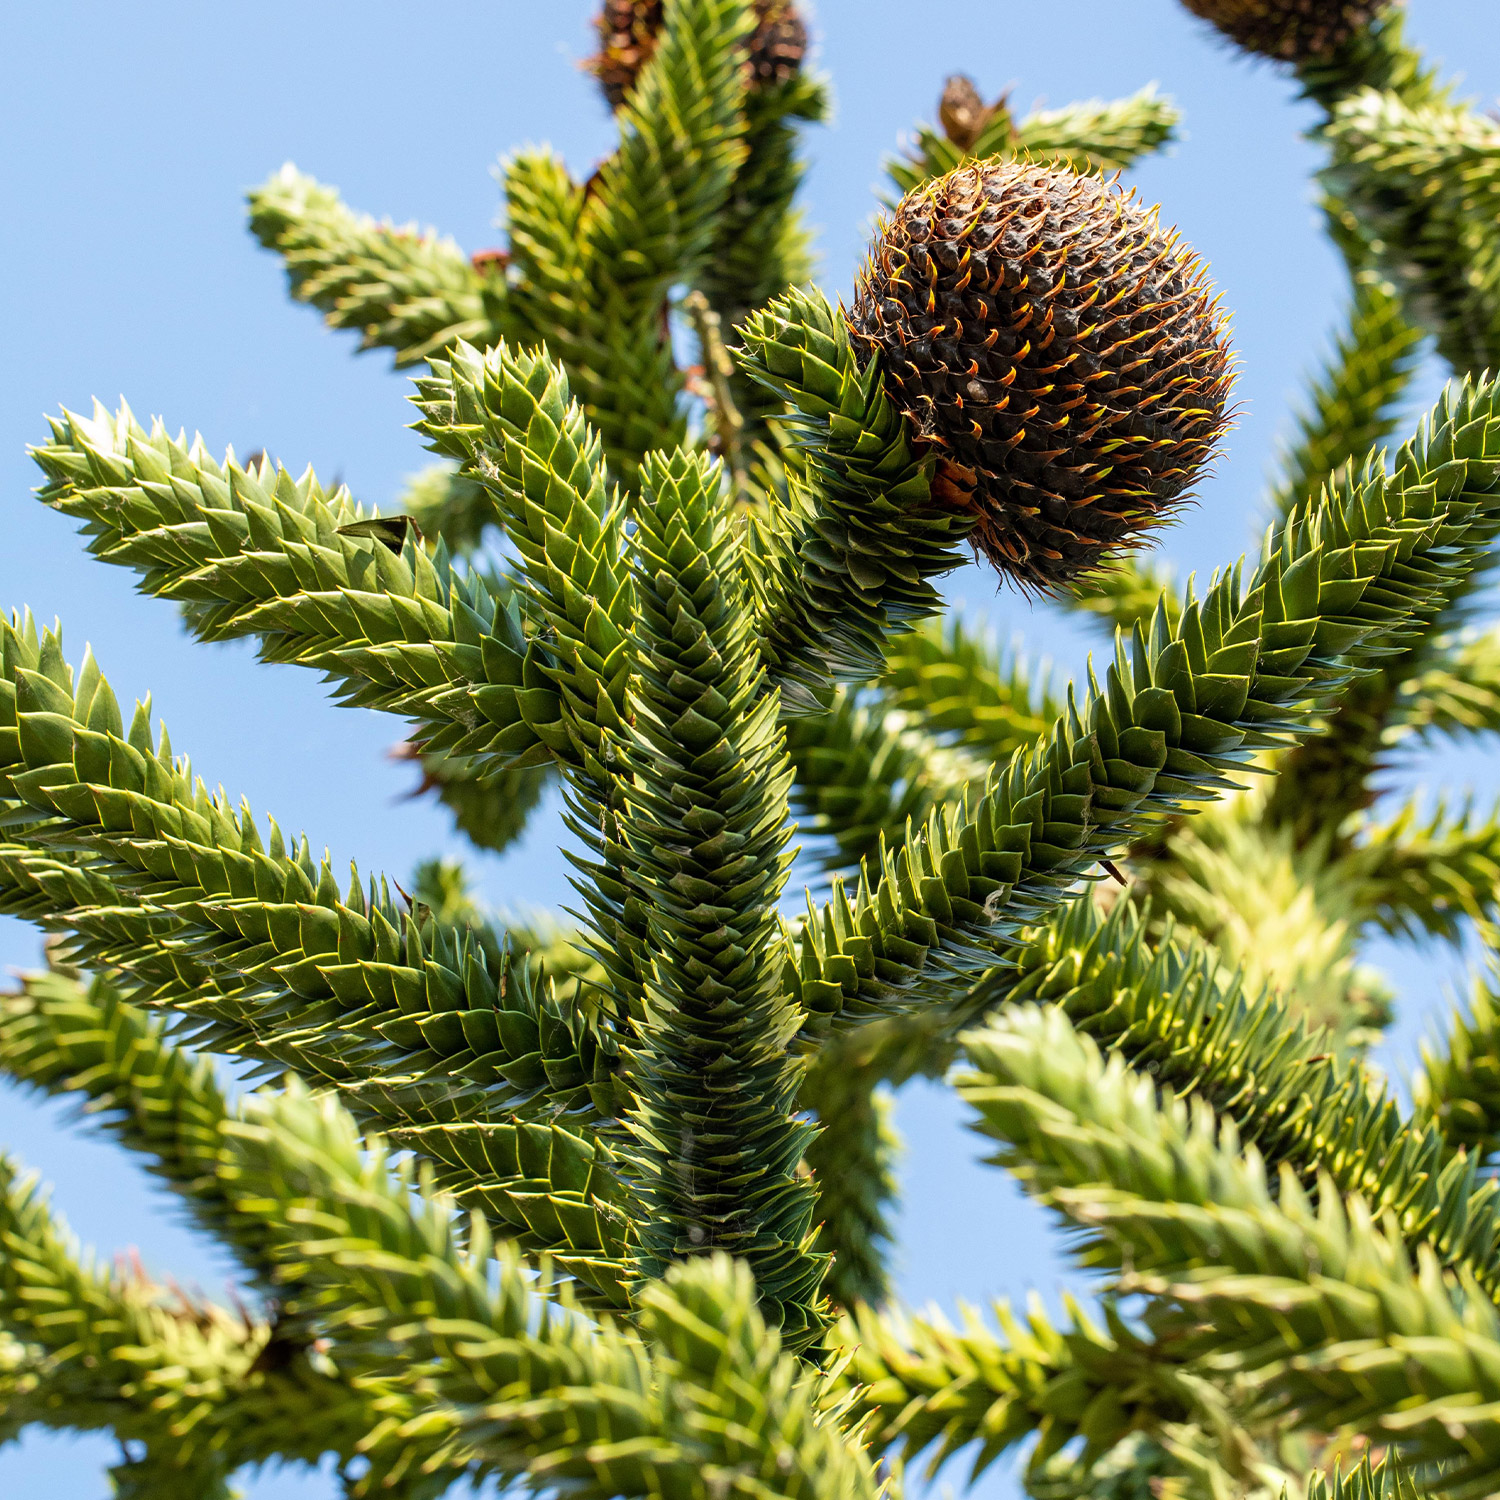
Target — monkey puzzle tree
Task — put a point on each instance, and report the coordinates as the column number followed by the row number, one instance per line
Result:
column 600, row 1208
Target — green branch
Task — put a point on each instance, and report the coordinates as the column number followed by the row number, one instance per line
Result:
column 1181, row 707
column 1354, row 401
column 1424, row 180
column 205, row 1391
column 864, row 773
column 1457, row 1088
column 952, row 682
column 853, row 1163
column 606, row 256
column 1093, row 136
column 400, row 288
column 1458, row 692
column 510, row 420
column 704, row 816
column 1321, row 1307
column 1426, row 875
column 256, row 553
column 65, row 1037
column 343, row 988
column 1169, row 1010
column 852, row 560
column 702, row 1396
column 935, row 1390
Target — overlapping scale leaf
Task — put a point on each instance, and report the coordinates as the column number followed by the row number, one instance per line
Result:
column 253, row 552
column 1458, row 692
column 1427, row 873
column 935, row 1389
column 1184, row 704
column 863, row 772
column 761, row 245
column 715, row 1149
column 401, row 288
column 1457, row 1087
column 595, row 265
column 702, row 1396
column 67, row 1037
column 510, row 420
column 1424, row 180
column 198, row 1390
column 542, row 1186
column 296, row 971
column 954, row 682
column 853, row 561
column 1320, row 1305
column 853, row 1162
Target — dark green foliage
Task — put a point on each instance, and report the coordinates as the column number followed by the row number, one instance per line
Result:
column 703, row 816
column 954, row 683
column 864, row 772
column 1178, row 1020
column 604, row 1410
column 610, row 253
column 1458, row 693
column 1423, row 179
column 202, row 1390
column 265, row 935
column 489, row 810
column 761, row 247
column 852, row 559
column 1376, row 57
column 511, row 421
column 1347, row 575
column 1458, row 1086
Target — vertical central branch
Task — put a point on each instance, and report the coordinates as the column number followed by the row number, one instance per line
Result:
column 704, row 816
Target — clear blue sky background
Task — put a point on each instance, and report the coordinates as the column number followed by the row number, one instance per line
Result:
column 131, row 134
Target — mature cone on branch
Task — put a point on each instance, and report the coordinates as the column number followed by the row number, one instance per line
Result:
column 1289, row 30
column 1064, row 355
column 628, row 31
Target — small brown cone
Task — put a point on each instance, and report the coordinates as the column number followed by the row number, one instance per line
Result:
column 1064, row 357
column 627, row 38
column 1289, row 30
column 962, row 112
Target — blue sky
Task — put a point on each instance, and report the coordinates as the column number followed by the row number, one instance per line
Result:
column 134, row 132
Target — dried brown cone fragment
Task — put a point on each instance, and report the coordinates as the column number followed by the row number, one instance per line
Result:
column 1289, row 30
column 1064, row 357
column 627, row 37
column 962, row 112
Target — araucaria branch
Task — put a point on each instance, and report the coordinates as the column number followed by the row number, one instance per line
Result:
column 600, row 1205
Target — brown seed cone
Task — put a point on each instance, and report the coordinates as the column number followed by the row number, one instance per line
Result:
column 1064, row 356
column 962, row 112
column 1289, row 30
column 627, row 38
